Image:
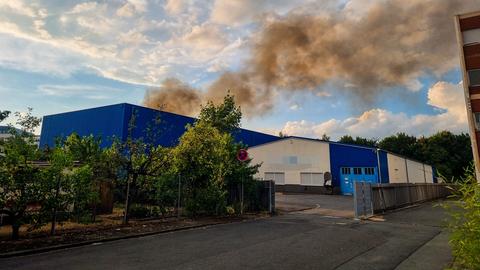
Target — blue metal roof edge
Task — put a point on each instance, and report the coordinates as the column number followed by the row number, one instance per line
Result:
column 147, row 108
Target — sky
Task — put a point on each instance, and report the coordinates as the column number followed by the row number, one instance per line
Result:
column 58, row 56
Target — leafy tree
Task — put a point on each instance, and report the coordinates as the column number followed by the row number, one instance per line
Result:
column 87, row 150
column 200, row 160
column 84, row 191
column 138, row 159
column 57, row 185
column 225, row 117
column 239, row 175
column 325, row 137
column 451, row 154
column 358, row 141
column 18, row 176
column 402, row 144
column 347, row 139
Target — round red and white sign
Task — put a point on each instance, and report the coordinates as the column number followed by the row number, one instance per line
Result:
column 242, row 155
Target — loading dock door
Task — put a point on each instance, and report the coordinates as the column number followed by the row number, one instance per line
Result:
column 278, row 177
column 311, row 179
column 349, row 175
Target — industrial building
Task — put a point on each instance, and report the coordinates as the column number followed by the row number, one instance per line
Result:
column 299, row 164
column 113, row 122
column 295, row 164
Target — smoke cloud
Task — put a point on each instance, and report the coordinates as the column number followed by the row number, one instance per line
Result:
column 174, row 96
column 391, row 44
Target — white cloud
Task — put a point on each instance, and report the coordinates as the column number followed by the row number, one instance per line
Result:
column 377, row 123
column 18, row 7
column 84, row 7
column 235, row 12
column 175, row 7
column 295, row 107
column 95, row 92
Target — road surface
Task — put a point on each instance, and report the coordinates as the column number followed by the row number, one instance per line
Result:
column 296, row 240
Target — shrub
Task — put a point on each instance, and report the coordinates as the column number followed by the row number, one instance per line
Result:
column 465, row 222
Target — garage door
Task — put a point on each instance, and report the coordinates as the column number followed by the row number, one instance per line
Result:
column 278, row 177
column 311, row 179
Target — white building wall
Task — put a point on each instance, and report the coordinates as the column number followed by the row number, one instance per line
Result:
column 292, row 156
column 429, row 173
column 397, row 171
column 415, row 172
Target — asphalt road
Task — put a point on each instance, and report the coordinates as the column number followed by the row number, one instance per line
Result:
column 297, row 240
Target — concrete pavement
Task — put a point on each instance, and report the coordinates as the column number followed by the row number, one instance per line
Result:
column 298, row 240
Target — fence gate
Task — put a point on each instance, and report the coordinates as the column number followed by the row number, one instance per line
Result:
column 362, row 199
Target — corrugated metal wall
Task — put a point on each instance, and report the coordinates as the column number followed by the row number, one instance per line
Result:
column 293, row 157
column 342, row 155
column 114, row 120
column 103, row 121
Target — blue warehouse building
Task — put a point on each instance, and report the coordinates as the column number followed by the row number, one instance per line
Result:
column 294, row 163
column 113, row 121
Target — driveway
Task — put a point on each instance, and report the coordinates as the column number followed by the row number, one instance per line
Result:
column 327, row 205
column 296, row 240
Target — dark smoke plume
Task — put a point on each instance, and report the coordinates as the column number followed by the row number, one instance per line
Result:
column 392, row 44
column 173, row 96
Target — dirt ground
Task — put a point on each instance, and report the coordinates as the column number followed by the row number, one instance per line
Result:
column 106, row 227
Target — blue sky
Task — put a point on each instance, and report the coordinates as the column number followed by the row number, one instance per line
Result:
column 58, row 56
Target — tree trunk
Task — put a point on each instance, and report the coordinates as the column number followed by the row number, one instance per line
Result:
column 15, row 230
column 127, row 202
column 54, row 212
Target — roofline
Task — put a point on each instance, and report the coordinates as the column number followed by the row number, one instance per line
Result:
column 344, row 144
column 143, row 107
column 289, row 137
column 468, row 14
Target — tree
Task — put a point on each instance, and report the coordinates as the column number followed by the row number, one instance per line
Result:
column 200, row 158
column 137, row 159
column 451, row 154
column 358, row 141
column 402, row 144
column 225, row 117
column 96, row 164
column 325, row 137
column 18, row 176
column 57, row 184
column 237, row 174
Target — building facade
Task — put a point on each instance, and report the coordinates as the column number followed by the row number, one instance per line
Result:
column 299, row 165
column 468, row 38
column 115, row 121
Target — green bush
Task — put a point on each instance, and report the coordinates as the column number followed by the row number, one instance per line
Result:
column 465, row 222
column 139, row 211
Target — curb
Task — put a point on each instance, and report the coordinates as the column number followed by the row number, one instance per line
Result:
column 104, row 240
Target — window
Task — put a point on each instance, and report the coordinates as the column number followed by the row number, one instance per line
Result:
column 477, row 120
column 474, row 77
column 293, row 160
column 345, row 170
column 370, row 171
column 357, row 170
